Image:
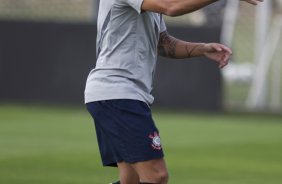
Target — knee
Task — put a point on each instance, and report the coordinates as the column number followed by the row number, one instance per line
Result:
column 162, row 177
column 156, row 178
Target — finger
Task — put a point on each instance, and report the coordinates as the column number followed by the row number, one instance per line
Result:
column 220, row 48
column 216, row 47
column 227, row 57
column 222, row 65
column 228, row 50
column 220, row 62
column 224, row 62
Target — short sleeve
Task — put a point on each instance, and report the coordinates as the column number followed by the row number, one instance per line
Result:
column 162, row 26
column 135, row 4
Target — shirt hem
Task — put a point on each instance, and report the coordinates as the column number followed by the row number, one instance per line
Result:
column 101, row 98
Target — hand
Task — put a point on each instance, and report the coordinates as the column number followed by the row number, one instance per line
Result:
column 254, row 2
column 217, row 52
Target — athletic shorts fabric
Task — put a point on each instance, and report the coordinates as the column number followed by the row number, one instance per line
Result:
column 125, row 131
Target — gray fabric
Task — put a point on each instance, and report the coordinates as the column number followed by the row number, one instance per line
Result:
column 126, row 52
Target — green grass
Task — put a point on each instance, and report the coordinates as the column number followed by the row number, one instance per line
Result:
column 40, row 145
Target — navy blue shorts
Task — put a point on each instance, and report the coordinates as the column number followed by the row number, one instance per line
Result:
column 125, row 131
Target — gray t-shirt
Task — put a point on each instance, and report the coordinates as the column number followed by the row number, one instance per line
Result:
column 127, row 43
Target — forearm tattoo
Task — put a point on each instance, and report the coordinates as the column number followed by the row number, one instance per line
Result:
column 167, row 45
column 193, row 50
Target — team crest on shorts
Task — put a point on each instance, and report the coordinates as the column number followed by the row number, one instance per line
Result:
column 156, row 141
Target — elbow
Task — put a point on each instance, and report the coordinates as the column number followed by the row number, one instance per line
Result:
column 170, row 8
column 172, row 11
column 175, row 10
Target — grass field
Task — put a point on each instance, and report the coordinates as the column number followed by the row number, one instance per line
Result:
column 40, row 145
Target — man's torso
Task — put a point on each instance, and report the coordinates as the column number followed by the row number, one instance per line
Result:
column 126, row 52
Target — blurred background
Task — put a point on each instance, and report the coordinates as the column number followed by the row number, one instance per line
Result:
column 218, row 126
column 48, row 48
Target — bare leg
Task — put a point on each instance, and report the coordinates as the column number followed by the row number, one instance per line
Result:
column 153, row 171
column 127, row 174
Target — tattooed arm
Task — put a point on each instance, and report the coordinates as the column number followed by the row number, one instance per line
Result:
column 174, row 48
column 178, row 49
